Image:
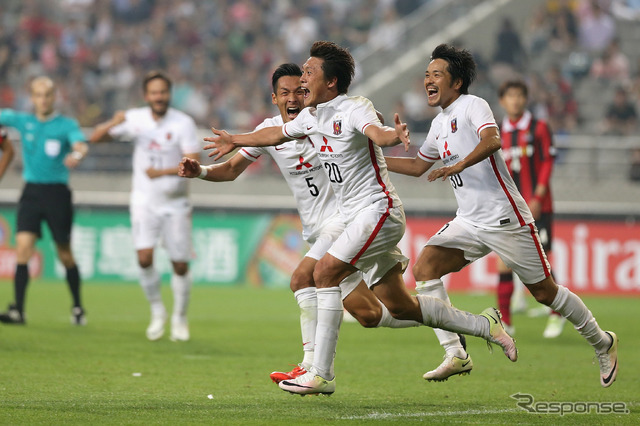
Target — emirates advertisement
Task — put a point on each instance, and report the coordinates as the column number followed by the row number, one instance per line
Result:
column 589, row 257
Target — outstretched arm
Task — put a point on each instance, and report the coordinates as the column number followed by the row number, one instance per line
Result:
column 389, row 136
column 224, row 172
column 101, row 132
column 489, row 144
column 408, row 166
column 223, row 143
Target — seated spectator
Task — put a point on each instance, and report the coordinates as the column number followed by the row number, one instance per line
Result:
column 612, row 65
column 634, row 171
column 564, row 29
column 597, row 28
column 621, row 118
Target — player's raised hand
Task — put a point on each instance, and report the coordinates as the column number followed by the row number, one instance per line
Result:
column 189, row 168
column 445, row 172
column 402, row 131
column 221, row 144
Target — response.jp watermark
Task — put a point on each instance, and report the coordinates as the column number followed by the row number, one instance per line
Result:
column 528, row 403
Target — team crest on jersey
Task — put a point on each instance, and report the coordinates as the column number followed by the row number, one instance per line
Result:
column 337, row 127
column 168, row 136
column 454, row 125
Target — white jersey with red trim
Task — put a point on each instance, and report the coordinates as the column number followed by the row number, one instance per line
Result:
column 160, row 145
column 301, row 168
column 486, row 194
column 354, row 165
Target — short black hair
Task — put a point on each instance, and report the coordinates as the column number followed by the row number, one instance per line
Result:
column 338, row 63
column 513, row 84
column 152, row 75
column 461, row 64
column 282, row 71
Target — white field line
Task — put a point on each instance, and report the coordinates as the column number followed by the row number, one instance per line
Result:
column 384, row 415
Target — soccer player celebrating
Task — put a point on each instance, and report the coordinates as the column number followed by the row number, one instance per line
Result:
column 317, row 206
column 492, row 215
column 159, row 207
column 347, row 136
column 51, row 145
column 528, row 151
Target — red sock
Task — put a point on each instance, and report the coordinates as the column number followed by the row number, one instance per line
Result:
column 505, row 290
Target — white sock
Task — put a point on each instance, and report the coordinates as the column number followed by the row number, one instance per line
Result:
column 388, row 321
column 308, row 303
column 181, row 286
column 448, row 340
column 329, row 319
column 150, row 282
column 436, row 313
column 573, row 309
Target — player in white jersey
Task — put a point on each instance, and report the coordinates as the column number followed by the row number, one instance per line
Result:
column 347, row 136
column 492, row 215
column 160, row 208
column 318, row 210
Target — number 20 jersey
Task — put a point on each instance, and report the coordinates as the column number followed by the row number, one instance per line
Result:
column 486, row 194
column 354, row 164
column 299, row 164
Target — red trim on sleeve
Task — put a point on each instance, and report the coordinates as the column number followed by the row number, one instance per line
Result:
column 364, row 127
column 481, row 128
column 506, row 192
column 427, row 157
column 246, row 152
column 284, row 130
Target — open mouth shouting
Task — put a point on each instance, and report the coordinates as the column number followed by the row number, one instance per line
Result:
column 292, row 112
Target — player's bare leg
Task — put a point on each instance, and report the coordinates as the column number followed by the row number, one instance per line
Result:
column 150, row 283
column 570, row 306
column 328, row 273
column 433, row 263
column 181, row 287
column 304, row 291
column 434, row 312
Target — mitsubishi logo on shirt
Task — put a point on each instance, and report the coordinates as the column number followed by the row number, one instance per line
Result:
column 303, row 163
column 326, row 146
column 155, row 145
column 446, row 153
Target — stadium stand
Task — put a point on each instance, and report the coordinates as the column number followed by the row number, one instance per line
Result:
column 97, row 50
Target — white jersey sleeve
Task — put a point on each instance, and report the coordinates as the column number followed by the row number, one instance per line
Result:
column 429, row 149
column 363, row 115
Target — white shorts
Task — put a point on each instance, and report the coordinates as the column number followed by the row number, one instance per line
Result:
column 520, row 249
column 171, row 228
column 369, row 241
column 328, row 232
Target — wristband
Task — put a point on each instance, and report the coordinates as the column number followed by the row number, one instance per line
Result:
column 76, row 155
column 204, row 170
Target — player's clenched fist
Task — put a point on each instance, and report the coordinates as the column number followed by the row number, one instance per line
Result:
column 189, row 168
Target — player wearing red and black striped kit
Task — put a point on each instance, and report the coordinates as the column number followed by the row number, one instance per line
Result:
column 527, row 146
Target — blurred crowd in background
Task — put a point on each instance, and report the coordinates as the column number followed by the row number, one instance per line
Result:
column 221, row 54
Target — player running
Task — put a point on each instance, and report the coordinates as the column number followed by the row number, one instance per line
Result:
column 527, row 146
column 159, row 207
column 492, row 215
column 347, row 136
column 318, row 210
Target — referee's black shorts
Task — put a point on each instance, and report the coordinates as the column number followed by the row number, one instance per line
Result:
column 48, row 202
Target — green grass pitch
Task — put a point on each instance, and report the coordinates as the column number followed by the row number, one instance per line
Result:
column 108, row 373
